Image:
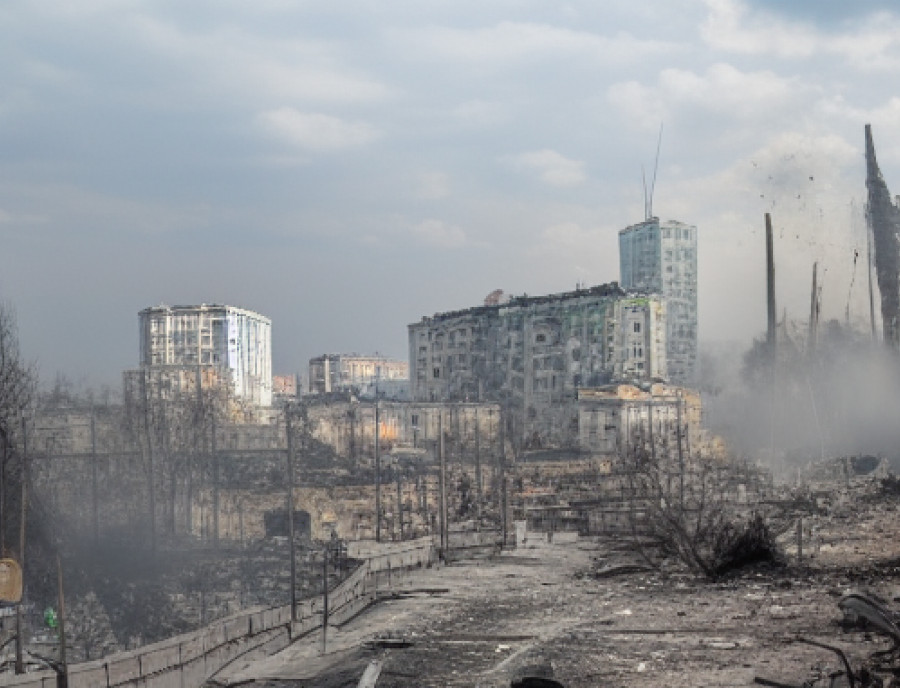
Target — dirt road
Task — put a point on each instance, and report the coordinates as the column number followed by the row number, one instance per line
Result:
column 473, row 623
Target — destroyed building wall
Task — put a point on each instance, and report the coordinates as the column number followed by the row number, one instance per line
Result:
column 533, row 353
column 661, row 258
column 883, row 216
column 349, row 427
column 614, row 417
column 351, row 372
column 226, row 338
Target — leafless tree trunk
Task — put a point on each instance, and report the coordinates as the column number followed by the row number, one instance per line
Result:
column 17, row 385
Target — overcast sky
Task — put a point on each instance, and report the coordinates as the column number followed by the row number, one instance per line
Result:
column 346, row 168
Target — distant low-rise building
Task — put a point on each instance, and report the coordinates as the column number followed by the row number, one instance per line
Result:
column 285, row 388
column 352, row 373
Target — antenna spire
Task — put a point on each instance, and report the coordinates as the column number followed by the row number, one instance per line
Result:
column 649, row 201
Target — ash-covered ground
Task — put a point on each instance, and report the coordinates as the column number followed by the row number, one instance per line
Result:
column 585, row 612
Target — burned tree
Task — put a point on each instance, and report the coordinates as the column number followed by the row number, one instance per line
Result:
column 884, row 220
column 17, row 384
column 684, row 505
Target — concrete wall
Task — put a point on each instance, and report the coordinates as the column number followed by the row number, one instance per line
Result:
column 188, row 660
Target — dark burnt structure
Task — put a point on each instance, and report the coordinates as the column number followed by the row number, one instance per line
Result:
column 884, row 219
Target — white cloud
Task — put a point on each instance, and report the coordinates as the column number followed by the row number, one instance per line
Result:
column 722, row 88
column 874, row 47
column 234, row 61
column 479, row 113
column 316, row 131
column 730, row 27
column 439, row 234
column 734, row 27
column 509, row 42
column 553, row 168
column 433, row 185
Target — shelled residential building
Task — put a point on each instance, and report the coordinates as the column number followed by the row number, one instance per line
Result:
column 533, row 353
column 353, row 373
column 661, row 258
column 234, row 342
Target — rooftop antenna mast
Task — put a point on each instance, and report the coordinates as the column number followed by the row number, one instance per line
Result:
column 648, row 200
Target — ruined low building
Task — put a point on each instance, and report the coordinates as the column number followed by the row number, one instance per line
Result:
column 615, row 418
column 330, row 373
column 348, row 427
column 531, row 354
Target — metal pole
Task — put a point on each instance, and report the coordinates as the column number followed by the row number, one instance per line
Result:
column 478, row 482
column 377, row 470
column 503, row 490
column 215, row 459
column 680, row 453
column 325, row 599
column 399, row 506
column 150, row 463
column 94, row 486
column 20, row 663
column 290, row 509
column 5, row 438
column 442, row 480
column 64, row 672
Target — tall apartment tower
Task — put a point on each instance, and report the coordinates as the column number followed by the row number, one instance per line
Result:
column 232, row 340
column 661, row 258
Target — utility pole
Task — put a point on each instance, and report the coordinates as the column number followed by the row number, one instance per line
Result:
column 478, row 482
column 290, row 508
column 150, row 467
column 4, row 438
column 399, row 504
column 814, row 312
column 504, row 417
column 94, row 485
column 325, row 598
column 770, row 289
column 215, row 460
column 64, row 665
column 377, row 466
column 442, row 479
column 20, row 662
column 680, row 453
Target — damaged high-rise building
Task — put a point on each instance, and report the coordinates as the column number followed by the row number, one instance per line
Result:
column 233, row 342
column 883, row 214
column 533, row 353
column 661, row 258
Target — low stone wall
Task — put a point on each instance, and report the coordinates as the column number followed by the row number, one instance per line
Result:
column 188, row 660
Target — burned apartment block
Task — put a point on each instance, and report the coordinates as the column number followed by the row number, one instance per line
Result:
column 234, row 343
column 661, row 258
column 531, row 354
